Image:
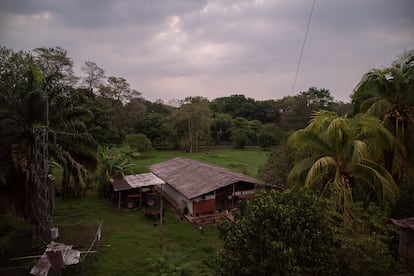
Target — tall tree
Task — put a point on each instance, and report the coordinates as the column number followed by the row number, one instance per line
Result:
column 94, row 76
column 344, row 164
column 194, row 118
column 388, row 93
column 38, row 116
column 221, row 127
column 297, row 110
column 52, row 61
column 118, row 90
column 152, row 125
column 127, row 117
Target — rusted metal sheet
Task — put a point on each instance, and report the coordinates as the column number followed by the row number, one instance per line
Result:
column 195, row 178
column 119, row 184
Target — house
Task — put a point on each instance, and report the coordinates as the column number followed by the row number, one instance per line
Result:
column 196, row 188
column 406, row 237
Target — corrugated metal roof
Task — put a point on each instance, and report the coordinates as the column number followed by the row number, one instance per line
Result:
column 407, row 223
column 120, row 184
column 194, row 178
column 135, row 181
column 143, row 180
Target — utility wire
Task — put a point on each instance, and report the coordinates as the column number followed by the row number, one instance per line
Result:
column 303, row 47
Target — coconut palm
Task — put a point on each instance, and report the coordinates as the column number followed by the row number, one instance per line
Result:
column 391, row 99
column 344, row 164
column 28, row 130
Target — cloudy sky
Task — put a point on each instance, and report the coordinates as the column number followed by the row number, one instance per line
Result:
column 214, row 48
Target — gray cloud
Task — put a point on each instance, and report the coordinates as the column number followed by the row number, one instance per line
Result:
column 173, row 49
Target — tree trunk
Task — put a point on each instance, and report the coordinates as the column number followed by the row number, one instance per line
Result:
column 190, row 137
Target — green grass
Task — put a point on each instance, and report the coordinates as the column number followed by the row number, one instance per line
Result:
column 130, row 240
column 246, row 161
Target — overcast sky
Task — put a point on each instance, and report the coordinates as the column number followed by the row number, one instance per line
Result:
column 174, row 49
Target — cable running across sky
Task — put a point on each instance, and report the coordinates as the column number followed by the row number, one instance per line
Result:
column 303, row 47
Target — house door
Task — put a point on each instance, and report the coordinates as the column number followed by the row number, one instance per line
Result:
column 224, row 198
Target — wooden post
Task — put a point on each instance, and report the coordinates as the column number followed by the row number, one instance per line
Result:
column 119, row 200
column 161, row 213
column 232, row 198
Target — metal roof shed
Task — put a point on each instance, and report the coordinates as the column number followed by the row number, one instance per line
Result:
column 136, row 181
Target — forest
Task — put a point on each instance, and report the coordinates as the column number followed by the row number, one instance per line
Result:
column 336, row 172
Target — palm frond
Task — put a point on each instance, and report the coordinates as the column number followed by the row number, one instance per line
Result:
column 320, row 169
column 360, row 151
column 381, row 179
column 338, row 132
column 377, row 107
column 297, row 175
column 320, row 120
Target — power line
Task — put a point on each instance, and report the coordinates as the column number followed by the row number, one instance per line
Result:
column 303, row 47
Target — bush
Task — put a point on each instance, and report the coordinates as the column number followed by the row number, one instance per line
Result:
column 364, row 246
column 278, row 233
column 139, row 141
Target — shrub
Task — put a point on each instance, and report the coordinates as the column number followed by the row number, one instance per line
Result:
column 278, row 233
column 138, row 141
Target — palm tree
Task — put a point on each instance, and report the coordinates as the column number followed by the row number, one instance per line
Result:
column 39, row 118
column 343, row 163
column 390, row 97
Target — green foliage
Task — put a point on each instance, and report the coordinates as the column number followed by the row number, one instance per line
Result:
column 30, row 82
column 296, row 111
column 220, row 127
column 159, row 107
column 112, row 162
column 344, row 162
column 387, row 94
column 244, row 132
column 364, row 246
column 279, row 163
column 270, row 135
column 12, row 229
column 278, row 233
column 127, row 117
column 100, row 121
column 235, row 106
column 138, row 141
column 174, row 264
column 404, row 208
column 152, row 125
column 192, row 122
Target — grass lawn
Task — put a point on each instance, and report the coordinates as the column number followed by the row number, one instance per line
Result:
column 131, row 242
column 246, row 161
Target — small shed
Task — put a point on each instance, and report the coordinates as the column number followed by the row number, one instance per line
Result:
column 406, row 238
column 196, row 188
column 131, row 190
